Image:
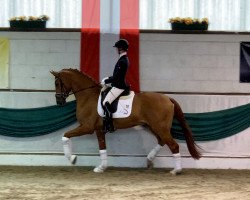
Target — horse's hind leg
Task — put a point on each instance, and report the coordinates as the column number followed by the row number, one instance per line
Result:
column 174, row 148
column 166, row 138
column 152, row 154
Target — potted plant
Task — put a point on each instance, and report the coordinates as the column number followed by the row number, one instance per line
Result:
column 31, row 22
column 188, row 23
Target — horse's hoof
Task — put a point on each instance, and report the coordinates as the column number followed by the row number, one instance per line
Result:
column 150, row 164
column 99, row 169
column 73, row 159
column 176, row 171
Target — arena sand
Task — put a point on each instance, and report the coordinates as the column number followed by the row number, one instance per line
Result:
column 78, row 183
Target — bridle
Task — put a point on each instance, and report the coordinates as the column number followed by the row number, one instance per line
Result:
column 63, row 94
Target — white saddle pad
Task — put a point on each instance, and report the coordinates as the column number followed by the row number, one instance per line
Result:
column 124, row 106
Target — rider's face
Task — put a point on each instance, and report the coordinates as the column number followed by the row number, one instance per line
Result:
column 120, row 50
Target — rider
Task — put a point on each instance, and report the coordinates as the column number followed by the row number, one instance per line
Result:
column 117, row 81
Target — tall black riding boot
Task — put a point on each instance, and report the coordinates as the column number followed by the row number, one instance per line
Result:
column 108, row 119
column 105, row 122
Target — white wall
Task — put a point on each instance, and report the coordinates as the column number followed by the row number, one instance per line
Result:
column 34, row 54
column 191, row 63
column 198, row 63
column 179, row 62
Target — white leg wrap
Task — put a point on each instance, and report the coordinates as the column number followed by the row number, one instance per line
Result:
column 154, row 152
column 104, row 162
column 67, row 149
column 177, row 164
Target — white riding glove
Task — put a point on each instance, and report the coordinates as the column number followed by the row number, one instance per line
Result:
column 103, row 81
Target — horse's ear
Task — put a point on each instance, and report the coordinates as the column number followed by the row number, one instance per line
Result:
column 56, row 74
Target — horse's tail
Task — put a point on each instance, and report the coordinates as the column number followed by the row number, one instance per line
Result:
column 179, row 115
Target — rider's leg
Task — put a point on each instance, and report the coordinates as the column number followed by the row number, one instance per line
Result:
column 107, row 120
column 111, row 96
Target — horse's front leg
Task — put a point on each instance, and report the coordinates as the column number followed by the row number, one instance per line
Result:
column 103, row 152
column 67, row 143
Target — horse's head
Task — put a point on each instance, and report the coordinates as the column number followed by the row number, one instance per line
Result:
column 62, row 86
column 71, row 81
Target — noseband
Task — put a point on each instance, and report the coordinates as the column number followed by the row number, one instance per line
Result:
column 63, row 93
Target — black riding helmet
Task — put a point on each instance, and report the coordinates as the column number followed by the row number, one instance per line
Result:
column 122, row 43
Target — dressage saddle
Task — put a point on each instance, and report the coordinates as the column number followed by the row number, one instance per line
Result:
column 113, row 106
column 109, row 109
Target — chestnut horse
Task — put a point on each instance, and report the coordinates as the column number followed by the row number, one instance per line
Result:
column 157, row 117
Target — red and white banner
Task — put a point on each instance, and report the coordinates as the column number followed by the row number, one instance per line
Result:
column 103, row 23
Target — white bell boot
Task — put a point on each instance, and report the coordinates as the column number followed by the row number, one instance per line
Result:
column 104, row 162
column 177, row 164
column 67, row 148
column 152, row 154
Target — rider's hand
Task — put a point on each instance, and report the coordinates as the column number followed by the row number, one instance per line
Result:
column 103, row 81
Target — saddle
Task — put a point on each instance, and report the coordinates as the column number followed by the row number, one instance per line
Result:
column 114, row 104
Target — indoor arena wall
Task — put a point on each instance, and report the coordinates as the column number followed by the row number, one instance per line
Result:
column 201, row 71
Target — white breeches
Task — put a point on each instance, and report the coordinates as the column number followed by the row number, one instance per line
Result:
column 112, row 95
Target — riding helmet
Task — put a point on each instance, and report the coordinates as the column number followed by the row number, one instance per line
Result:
column 122, row 43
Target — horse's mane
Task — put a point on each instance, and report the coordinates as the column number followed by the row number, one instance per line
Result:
column 80, row 73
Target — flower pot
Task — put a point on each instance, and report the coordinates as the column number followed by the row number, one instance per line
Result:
column 194, row 26
column 27, row 24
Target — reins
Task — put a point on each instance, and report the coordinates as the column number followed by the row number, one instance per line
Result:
column 70, row 93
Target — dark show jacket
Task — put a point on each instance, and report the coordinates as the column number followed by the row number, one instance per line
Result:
column 119, row 74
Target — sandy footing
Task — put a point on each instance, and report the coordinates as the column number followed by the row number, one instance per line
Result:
column 78, row 183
